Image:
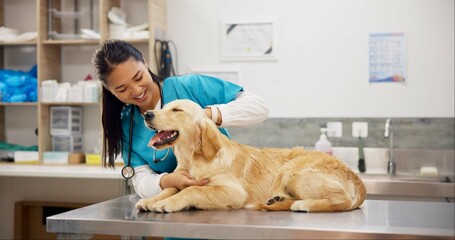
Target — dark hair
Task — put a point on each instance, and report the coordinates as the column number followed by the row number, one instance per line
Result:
column 105, row 59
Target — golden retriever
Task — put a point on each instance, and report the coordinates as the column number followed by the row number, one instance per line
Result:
column 242, row 176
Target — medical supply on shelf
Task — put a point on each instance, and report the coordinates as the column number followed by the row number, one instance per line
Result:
column 67, row 143
column 83, row 19
column 18, row 86
column 120, row 29
column 82, row 91
column 76, row 158
column 62, row 92
column 89, row 34
column 92, row 90
column 48, row 90
column 12, row 35
column 55, row 157
column 93, row 159
column 26, row 157
column 66, row 129
column 65, row 120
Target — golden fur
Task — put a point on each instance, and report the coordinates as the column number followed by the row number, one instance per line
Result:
column 242, row 176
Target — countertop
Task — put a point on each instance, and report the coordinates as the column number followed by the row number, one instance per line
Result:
column 59, row 171
column 376, row 184
column 374, row 219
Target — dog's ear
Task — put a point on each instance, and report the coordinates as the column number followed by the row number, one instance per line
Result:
column 210, row 143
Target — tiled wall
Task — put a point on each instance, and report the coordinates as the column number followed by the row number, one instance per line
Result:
column 409, row 133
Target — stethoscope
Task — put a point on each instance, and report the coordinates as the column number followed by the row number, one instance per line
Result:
column 128, row 171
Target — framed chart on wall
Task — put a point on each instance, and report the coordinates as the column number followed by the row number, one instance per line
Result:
column 387, row 57
column 254, row 40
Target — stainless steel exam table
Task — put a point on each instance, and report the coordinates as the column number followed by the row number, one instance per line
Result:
column 374, row 219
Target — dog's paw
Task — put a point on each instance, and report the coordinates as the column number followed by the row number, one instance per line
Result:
column 300, row 206
column 169, row 205
column 144, row 205
column 275, row 199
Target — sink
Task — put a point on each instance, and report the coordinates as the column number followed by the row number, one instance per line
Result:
column 403, row 185
column 406, row 183
column 408, row 161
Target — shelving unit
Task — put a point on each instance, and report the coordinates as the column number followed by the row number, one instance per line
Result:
column 51, row 60
column 7, row 49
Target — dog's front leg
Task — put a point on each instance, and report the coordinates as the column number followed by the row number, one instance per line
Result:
column 203, row 197
column 146, row 204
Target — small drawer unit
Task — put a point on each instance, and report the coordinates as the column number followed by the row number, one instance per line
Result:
column 66, row 129
column 66, row 120
column 67, row 143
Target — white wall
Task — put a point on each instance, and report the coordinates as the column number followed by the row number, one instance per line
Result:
column 322, row 67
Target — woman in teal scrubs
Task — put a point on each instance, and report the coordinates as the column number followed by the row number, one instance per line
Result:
column 130, row 89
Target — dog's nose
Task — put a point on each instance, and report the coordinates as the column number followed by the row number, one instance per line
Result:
column 149, row 115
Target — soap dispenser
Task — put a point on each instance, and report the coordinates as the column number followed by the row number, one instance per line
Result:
column 323, row 144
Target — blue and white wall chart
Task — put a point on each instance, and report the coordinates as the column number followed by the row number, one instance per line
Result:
column 387, row 57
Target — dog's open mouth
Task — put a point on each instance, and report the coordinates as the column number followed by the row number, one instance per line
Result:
column 163, row 137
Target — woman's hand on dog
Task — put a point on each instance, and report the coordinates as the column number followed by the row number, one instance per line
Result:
column 180, row 179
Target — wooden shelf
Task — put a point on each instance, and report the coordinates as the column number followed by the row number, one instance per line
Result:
column 19, row 104
column 71, row 103
column 89, row 42
column 72, row 42
column 25, row 43
column 138, row 41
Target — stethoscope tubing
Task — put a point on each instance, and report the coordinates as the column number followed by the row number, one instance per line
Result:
column 128, row 171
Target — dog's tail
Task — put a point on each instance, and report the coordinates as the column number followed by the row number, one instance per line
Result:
column 284, row 205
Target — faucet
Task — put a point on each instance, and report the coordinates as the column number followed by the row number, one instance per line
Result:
column 391, row 166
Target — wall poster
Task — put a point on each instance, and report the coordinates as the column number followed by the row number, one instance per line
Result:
column 387, row 57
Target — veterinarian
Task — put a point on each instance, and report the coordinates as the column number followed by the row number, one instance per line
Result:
column 130, row 89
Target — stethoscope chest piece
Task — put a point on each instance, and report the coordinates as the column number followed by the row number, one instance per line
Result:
column 127, row 172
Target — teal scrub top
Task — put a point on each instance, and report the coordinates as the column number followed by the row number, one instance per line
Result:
column 204, row 90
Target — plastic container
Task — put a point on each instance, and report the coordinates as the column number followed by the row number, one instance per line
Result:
column 49, row 90
column 323, row 145
column 66, row 120
column 69, row 143
column 55, row 157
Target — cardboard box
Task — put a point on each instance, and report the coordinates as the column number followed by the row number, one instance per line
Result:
column 55, row 157
column 93, row 159
column 76, row 158
column 26, row 157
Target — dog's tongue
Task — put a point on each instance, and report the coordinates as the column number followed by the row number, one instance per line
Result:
column 159, row 138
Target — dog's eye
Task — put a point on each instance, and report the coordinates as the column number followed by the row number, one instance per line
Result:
column 176, row 110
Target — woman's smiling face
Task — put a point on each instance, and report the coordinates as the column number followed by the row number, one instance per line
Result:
column 131, row 83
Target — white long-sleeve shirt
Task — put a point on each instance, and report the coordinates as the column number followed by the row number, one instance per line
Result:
column 247, row 109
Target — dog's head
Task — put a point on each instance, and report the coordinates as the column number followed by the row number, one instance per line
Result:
column 177, row 121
